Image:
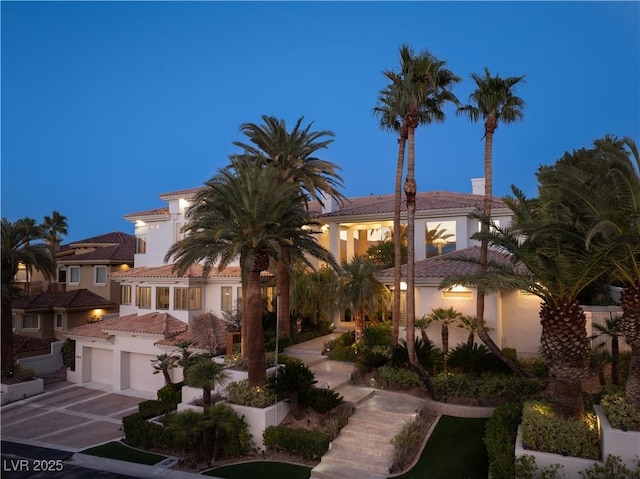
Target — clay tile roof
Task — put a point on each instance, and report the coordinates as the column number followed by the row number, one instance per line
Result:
column 425, row 201
column 76, row 299
column 27, row 344
column 440, row 267
column 165, row 272
column 154, row 323
column 117, row 253
column 116, row 237
column 159, row 212
column 181, row 193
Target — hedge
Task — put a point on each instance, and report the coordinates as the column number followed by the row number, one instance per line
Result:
column 303, row 442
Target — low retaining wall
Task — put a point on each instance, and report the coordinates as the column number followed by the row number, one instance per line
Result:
column 45, row 363
column 18, row 391
column 616, row 442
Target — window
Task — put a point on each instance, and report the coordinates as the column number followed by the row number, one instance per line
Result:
column 62, row 274
column 226, row 299
column 187, row 298
column 141, row 244
column 13, row 322
column 440, row 238
column 58, row 321
column 143, row 297
column 74, row 274
column 100, row 275
column 125, row 294
column 162, row 298
column 30, row 322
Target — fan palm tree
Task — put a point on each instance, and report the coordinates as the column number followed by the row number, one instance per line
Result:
column 494, row 101
column 185, row 359
column 53, row 226
column 446, row 317
column 612, row 328
column 222, row 420
column 187, row 430
column 360, row 291
column 163, row 364
column 291, row 381
column 206, row 374
column 246, row 212
column 418, row 93
column 293, row 153
column 314, row 293
column 470, row 323
column 20, row 245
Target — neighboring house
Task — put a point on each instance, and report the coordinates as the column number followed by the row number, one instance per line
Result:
column 50, row 315
column 151, row 295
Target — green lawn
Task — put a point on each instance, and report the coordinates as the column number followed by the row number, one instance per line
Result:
column 455, row 449
column 261, row 470
column 117, row 450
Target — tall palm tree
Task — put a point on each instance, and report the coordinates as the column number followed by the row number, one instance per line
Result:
column 419, row 92
column 608, row 202
column 18, row 247
column 446, row 317
column 163, row 364
column 245, row 212
column 360, row 291
column 293, row 153
column 314, row 293
column 53, row 227
column 494, row 101
column 206, row 374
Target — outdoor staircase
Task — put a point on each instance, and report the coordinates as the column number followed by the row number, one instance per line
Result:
column 363, row 449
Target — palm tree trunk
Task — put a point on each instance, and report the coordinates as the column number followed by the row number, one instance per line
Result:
column 206, row 399
column 397, row 243
column 490, row 126
column 567, row 350
column 630, row 300
column 6, row 329
column 283, row 285
column 410, row 193
column 445, row 346
column 359, row 320
column 471, row 339
column 167, row 378
column 254, row 331
column 615, row 360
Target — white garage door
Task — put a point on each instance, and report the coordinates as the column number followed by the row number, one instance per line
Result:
column 102, row 366
column 141, row 375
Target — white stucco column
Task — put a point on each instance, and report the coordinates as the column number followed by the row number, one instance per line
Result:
column 350, row 248
column 462, row 232
column 334, row 240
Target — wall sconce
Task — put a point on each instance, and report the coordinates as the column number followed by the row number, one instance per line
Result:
column 325, row 228
column 403, row 286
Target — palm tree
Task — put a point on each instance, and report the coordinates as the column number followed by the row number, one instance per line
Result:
column 360, row 291
column 494, row 100
column 445, row 316
column 291, row 381
column 422, row 324
column 418, row 93
column 470, row 323
column 245, row 212
column 53, row 226
column 549, row 260
column 222, row 419
column 187, row 429
column 184, row 359
column 293, row 153
column 612, row 328
column 314, row 292
column 608, row 202
column 206, row 374
column 18, row 247
column 163, row 364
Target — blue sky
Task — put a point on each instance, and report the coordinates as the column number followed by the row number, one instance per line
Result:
column 105, row 105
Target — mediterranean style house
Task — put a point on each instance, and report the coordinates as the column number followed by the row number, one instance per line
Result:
column 157, row 307
column 80, row 293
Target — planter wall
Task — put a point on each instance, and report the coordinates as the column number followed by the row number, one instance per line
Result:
column 18, row 391
column 616, row 442
column 260, row 419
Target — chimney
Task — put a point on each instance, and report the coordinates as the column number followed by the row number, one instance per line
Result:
column 329, row 203
column 477, row 186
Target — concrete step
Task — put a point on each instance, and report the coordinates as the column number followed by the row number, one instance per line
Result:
column 365, row 436
column 331, row 471
column 362, row 462
column 377, row 422
column 355, row 394
column 355, row 445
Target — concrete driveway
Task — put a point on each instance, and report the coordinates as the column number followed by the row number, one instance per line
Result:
column 67, row 417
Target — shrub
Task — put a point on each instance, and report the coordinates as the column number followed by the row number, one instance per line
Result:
column 620, row 413
column 534, row 366
column 140, row 433
column 613, row 468
column 306, row 443
column 526, row 468
column 377, row 335
column 236, row 361
column 69, row 354
column 342, row 348
column 240, row 393
column 428, row 355
column 474, row 359
column 500, row 438
column 543, row 431
column 22, row 374
column 171, row 393
column 400, row 378
column 323, row 400
column 376, row 357
column 407, row 443
column 491, row 386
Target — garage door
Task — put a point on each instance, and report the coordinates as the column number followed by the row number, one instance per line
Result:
column 141, row 375
column 102, row 366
